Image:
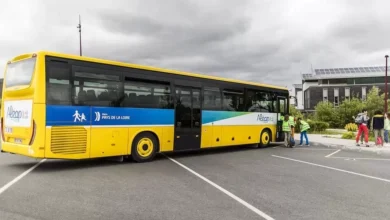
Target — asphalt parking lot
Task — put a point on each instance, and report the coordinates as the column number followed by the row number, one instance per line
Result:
column 314, row 182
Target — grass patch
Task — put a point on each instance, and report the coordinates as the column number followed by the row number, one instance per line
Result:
column 326, row 132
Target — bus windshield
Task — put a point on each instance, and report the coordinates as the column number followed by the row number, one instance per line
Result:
column 20, row 73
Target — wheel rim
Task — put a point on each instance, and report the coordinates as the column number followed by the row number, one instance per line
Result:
column 265, row 138
column 145, row 147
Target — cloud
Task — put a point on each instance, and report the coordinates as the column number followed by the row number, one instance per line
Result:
column 264, row 41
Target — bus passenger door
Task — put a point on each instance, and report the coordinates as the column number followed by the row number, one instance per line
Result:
column 187, row 119
column 282, row 109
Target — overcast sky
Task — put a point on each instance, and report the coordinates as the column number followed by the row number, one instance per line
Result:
column 270, row 41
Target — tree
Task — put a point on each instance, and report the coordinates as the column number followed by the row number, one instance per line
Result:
column 295, row 112
column 347, row 109
column 326, row 112
column 374, row 101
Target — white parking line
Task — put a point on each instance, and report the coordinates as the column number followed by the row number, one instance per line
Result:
column 332, row 168
column 312, row 149
column 333, row 153
column 8, row 185
column 357, row 158
column 249, row 206
column 305, row 148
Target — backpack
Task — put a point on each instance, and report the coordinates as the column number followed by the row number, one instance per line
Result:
column 359, row 119
column 292, row 141
column 379, row 141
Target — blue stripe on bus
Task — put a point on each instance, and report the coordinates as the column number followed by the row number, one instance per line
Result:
column 103, row 116
column 213, row 116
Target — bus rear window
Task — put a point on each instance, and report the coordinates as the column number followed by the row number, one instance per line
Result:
column 20, row 73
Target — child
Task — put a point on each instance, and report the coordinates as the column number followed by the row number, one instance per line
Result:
column 304, row 126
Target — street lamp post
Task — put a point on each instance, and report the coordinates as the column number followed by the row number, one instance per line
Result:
column 387, row 56
column 79, row 27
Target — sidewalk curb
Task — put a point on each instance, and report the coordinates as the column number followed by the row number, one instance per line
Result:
column 362, row 148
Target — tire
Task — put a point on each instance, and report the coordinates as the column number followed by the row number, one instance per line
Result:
column 265, row 138
column 144, row 147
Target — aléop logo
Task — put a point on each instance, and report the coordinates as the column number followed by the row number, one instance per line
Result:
column 15, row 114
column 261, row 117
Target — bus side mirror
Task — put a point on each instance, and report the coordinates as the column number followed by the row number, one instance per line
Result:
column 295, row 100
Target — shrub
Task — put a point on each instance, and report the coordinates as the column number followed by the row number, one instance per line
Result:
column 351, row 127
column 318, row 125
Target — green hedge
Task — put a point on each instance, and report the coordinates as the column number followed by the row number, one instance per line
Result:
column 318, row 125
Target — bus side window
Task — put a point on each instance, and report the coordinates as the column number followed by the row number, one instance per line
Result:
column 58, row 88
column 259, row 101
column 147, row 94
column 233, row 101
column 91, row 87
column 212, row 99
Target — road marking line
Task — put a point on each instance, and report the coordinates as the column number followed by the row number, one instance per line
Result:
column 303, row 148
column 312, row 149
column 249, row 206
column 5, row 187
column 332, row 168
column 333, row 153
column 362, row 158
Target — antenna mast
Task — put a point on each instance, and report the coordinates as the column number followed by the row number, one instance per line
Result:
column 79, row 27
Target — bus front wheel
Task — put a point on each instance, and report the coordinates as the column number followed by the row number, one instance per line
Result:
column 144, row 147
column 265, row 138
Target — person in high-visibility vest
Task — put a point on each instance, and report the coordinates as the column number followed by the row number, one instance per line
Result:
column 304, row 127
column 287, row 128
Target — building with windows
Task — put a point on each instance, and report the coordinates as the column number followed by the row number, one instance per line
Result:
column 339, row 84
column 298, row 101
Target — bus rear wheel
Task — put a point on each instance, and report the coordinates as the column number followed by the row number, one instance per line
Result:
column 144, row 147
column 265, row 138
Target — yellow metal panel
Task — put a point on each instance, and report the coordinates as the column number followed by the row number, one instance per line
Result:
column 241, row 135
column 109, row 141
column 207, row 136
column 238, row 135
column 167, row 140
column 217, row 135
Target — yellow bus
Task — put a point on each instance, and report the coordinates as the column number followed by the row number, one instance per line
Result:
column 64, row 106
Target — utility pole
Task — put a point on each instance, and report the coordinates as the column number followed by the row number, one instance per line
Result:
column 79, row 27
column 387, row 56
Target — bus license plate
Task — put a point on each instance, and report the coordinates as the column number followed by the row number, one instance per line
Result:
column 18, row 141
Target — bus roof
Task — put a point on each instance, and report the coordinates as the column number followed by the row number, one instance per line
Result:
column 117, row 63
